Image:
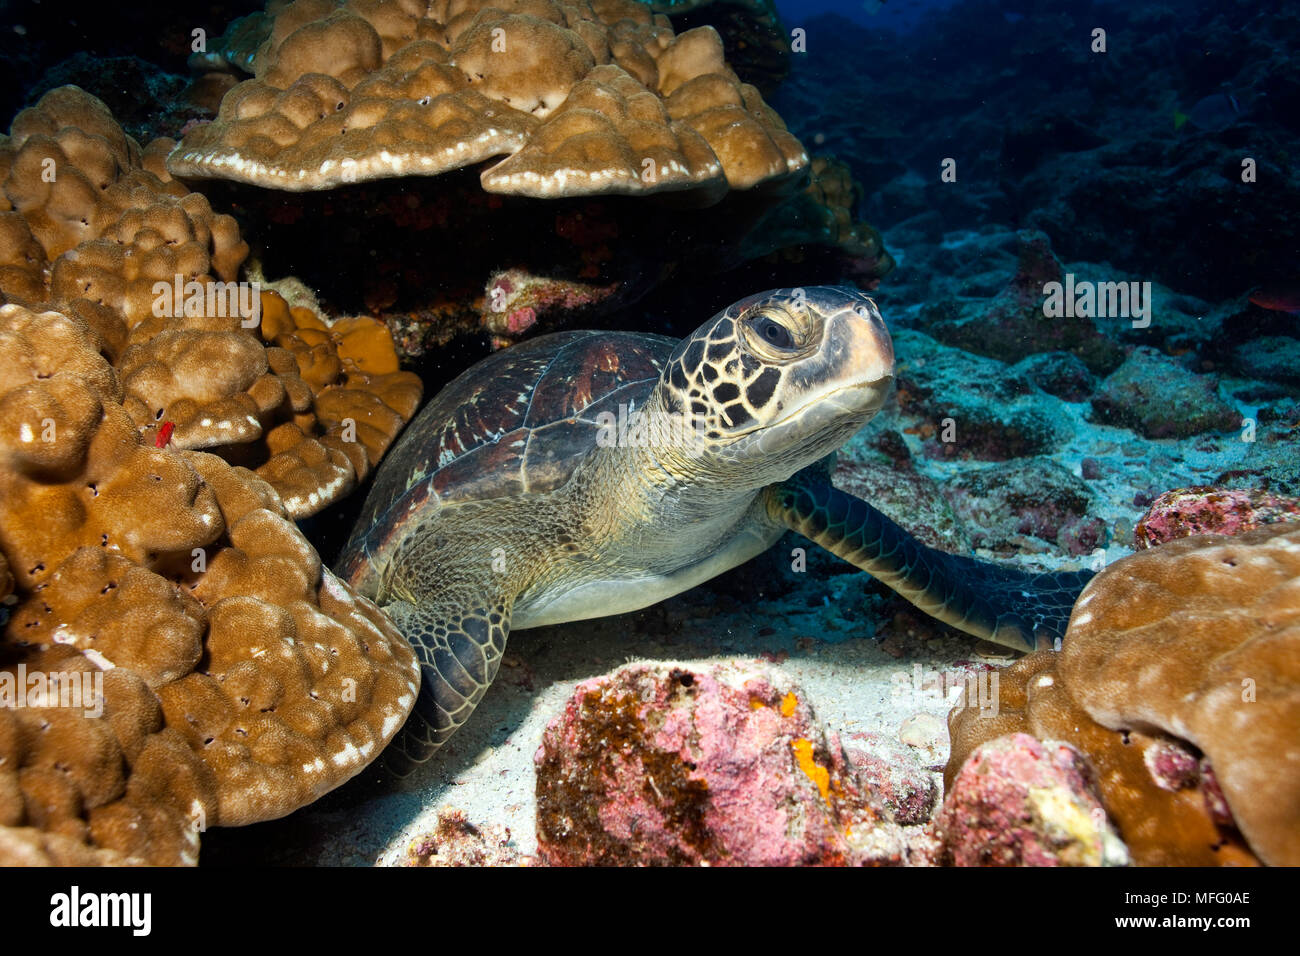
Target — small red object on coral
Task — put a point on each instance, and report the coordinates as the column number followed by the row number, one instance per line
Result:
column 164, row 434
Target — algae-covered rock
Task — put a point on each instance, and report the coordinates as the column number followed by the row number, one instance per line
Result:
column 1205, row 509
column 1157, row 398
column 971, row 406
column 1018, row 801
column 662, row 764
column 1005, row 503
column 1014, row 324
column 1058, row 373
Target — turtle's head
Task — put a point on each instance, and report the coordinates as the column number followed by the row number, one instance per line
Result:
column 779, row 380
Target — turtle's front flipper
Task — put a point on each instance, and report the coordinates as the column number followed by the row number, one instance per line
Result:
column 1011, row 607
column 460, row 650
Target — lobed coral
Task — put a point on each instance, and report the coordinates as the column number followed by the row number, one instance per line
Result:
column 94, row 227
column 581, row 98
column 173, row 655
column 182, row 580
column 1178, row 678
column 104, row 782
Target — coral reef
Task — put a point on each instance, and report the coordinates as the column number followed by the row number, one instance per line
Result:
column 184, row 574
column 472, row 172
column 1162, row 822
column 103, row 784
column 1184, row 650
column 660, row 764
column 159, row 584
column 581, row 99
column 1019, row 802
column 654, row 161
column 92, row 226
column 757, row 44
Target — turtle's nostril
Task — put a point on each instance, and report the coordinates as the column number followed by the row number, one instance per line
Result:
column 868, row 311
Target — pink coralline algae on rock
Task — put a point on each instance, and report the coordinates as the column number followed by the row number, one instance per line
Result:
column 666, row 765
column 896, row 777
column 515, row 300
column 1203, row 509
column 1018, row 801
column 1033, row 497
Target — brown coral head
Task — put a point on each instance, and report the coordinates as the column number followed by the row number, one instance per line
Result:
column 1200, row 638
column 580, row 99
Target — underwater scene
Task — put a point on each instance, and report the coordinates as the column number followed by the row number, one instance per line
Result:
column 529, row 433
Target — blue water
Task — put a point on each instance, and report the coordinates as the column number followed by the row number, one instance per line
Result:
column 898, row 16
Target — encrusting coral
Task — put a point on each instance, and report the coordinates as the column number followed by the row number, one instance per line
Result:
column 147, row 266
column 581, row 98
column 1179, row 679
column 173, row 654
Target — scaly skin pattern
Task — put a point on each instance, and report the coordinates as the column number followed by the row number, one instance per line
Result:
column 1014, row 608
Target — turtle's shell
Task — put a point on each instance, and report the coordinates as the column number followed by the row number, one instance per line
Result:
column 518, row 422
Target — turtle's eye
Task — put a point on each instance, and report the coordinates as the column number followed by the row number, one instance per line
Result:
column 773, row 332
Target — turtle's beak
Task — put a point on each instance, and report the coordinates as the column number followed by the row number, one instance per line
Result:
column 859, row 350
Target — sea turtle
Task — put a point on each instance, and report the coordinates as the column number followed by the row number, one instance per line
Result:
column 582, row 474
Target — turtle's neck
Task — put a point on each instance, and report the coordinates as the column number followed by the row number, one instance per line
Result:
column 652, row 502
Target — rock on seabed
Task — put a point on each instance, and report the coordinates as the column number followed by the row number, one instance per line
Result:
column 1018, row 801
column 663, row 764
